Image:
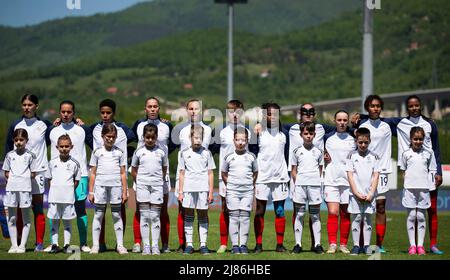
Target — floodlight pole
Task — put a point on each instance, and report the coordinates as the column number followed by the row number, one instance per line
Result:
column 230, row 51
column 230, row 4
column 367, row 75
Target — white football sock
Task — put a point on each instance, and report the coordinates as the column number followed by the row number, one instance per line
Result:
column 189, row 229
column 316, row 226
column 145, row 226
column 118, row 223
column 421, row 226
column 367, row 229
column 298, row 223
column 67, row 231
column 203, row 230
column 244, row 227
column 26, row 226
column 411, row 226
column 356, row 228
column 234, row 227
column 12, row 226
column 97, row 224
column 55, row 231
column 155, row 214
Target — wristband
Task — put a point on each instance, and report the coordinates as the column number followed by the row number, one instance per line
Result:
column 91, row 193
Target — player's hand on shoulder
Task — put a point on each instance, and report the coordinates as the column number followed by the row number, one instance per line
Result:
column 79, row 122
column 355, row 118
column 57, row 122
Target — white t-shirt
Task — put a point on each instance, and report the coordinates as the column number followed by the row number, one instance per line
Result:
column 20, row 168
column 295, row 140
column 185, row 136
column 227, row 143
column 150, row 163
column 271, row 162
column 362, row 167
column 63, row 174
column 36, row 144
column 108, row 166
column 196, row 166
column 338, row 146
column 77, row 136
column 380, row 142
column 404, row 129
column 307, row 162
column 163, row 133
column 417, row 165
column 240, row 169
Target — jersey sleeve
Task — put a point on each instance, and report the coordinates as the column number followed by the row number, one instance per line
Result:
column 78, row 173
column 6, row 164
column 377, row 167
column 211, row 164
column 9, row 145
column 33, row 164
column 170, row 144
column 225, row 166
column 432, row 165
column 402, row 161
column 255, row 165
column 123, row 159
column 135, row 160
column 294, row 158
column 165, row 159
column 94, row 159
column 181, row 162
column 435, row 146
column 88, row 136
column 349, row 164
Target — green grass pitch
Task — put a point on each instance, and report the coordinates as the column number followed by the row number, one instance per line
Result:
column 396, row 241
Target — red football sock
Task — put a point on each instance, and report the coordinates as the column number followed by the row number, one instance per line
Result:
column 165, row 227
column 224, row 223
column 102, row 232
column 344, row 227
column 39, row 220
column 181, row 238
column 433, row 218
column 280, row 224
column 259, row 228
column 137, row 227
column 381, row 231
column 332, row 228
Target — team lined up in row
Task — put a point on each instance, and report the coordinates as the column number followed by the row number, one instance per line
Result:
column 351, row 183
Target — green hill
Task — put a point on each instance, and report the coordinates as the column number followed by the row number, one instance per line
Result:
column 61, row 41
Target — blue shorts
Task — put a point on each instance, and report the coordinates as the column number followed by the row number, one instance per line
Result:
column 81, row 190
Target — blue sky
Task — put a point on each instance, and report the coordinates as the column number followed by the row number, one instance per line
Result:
column 28, row 12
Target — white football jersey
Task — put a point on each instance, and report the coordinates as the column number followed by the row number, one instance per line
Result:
column 227, row 143
column 196, row 166
column 77, row 135
column 380, row 142
column 417, row 166
column 63, row 174
column 240, row 169
column 150, row 163
column 403, row 130
column 338, row 146
column 20, row 168
column 307, row 162
column 108, row 166
column 163, row 133
column 272, row 166
column 363, row 168
column 124, row 135
column 36, row 144
column 295, row 140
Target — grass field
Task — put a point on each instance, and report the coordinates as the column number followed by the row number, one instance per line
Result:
column 396, row 242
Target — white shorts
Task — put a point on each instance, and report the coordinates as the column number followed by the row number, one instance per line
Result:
column 278, row 191
column 307, row 194
column 17, row 199
column 338, row 194
column 357, row 207
column 152, row 194
column 222, row 188
column 416, row 198
column 195, row 200
column 38, row 183
column 103, row 195
column 382, row 187
column 239, row 200
column 65, row 211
